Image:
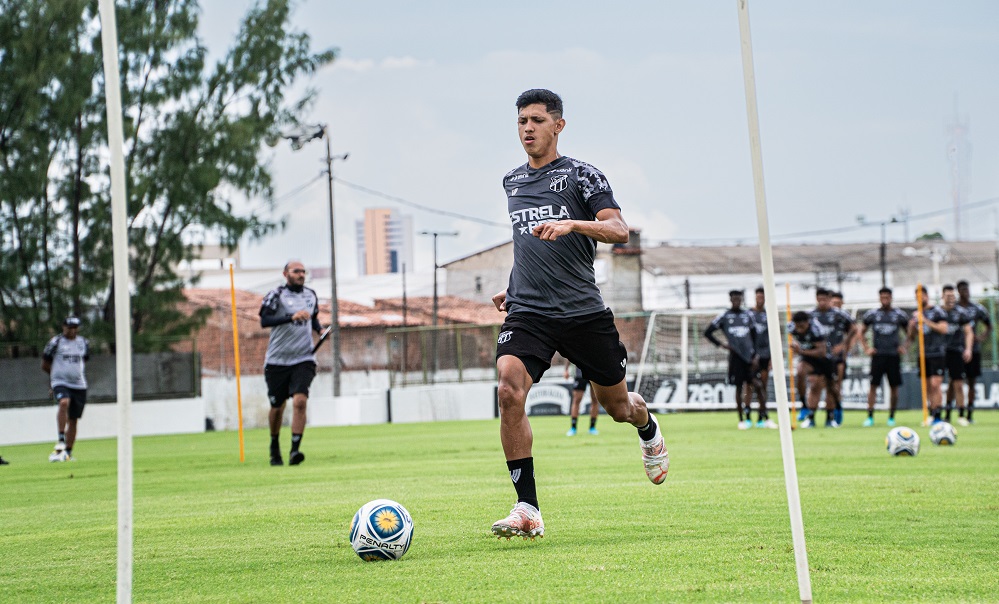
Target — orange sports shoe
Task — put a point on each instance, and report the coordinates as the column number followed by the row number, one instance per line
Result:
column 524, row 521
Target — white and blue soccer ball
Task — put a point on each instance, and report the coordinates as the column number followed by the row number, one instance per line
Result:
column 902, row 441
column 942, row 433
column 381, row 530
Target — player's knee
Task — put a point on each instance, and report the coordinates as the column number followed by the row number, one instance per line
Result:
column 511, row 396
column 299, row 402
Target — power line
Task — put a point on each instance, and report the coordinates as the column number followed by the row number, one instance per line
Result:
column 418, row 206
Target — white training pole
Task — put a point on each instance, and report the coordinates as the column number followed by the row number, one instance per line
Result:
column 122, row 307
column 684, row 344
column 773, row 323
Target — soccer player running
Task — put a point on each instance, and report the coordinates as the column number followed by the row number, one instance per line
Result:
column 886, row 350
column 839, row 333
column 578, row 390
column 761, row 378
column 291, row 312
column 739, row 327
column 960, row 342
column 64, row 359
column 973, row 369
column 560, row 208
column 935, row 334
column 809, row 343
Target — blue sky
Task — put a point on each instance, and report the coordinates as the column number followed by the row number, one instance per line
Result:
column 854, row 102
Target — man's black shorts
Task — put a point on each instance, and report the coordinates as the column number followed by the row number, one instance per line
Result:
column 590, row 342
column 740, row 371
column 765, row 364
column 77, row 399
column 580, row 384
column 823, row 366
column 955, row 365
column 284, row 381
column 936, row 366
column 973, row 369
column 886, row 364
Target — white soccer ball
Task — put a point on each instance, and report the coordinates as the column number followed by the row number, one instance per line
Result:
column 381, row 530
column 902, row 441
column 942, row 433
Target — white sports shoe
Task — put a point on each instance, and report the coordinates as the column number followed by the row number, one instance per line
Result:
column 745, row 424
column 59, row 452
column 524, row 521
column 656, row 458
column 961, row 421
column 771, row 424
column 807, row 423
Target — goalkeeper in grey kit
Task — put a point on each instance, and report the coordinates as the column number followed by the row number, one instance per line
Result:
column 291, row 312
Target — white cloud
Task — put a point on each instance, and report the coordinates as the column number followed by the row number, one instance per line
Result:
column 365, row 65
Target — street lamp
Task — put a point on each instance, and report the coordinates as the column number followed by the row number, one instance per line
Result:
column 884, row 245
column 298, row 140
column 937, row 253
column 433, row 343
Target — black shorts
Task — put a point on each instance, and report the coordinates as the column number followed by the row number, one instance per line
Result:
column 955, row 365
column 823, row 367
column 886, row 364
column 77, row 399
column 739, row 371
column 287, row 380
column 973, row 368
column 580, row 384
column 590, row 342
column 936, row 366
column 765, row 364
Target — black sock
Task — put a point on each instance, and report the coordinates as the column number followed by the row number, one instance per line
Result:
column 740, row 414
column 522, row 475
column 949, row 408
column 936, row 415
column 891, row 414
column 275, row 445
column 960, row 412
column 971, row 406
column 593, row 423
column 648, row 431
column 870, row 413
column 62, row 437
column 69, row 451
column 830, row 415
column 574, row 420
column 296, row 439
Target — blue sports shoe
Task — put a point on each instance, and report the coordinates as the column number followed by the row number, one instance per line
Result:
column 571, row 432
column 802, row 413
column 594, row 432
column 869, row 422
column 891, row 422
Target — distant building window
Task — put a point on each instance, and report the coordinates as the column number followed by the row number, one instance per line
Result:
column 478, row 284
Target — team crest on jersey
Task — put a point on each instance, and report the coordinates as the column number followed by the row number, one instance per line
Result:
column 504, row 337
column 558, row 183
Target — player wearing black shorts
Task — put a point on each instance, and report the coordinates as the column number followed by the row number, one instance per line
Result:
column 739, row 327
column 886, row 350
column 559, row 209
column 761, row 379
column 579, row 386
column 838, row 326
column 935, row 329
column 64, row 359
column 808, row 341
column 973, row 370
column 960, row 342
column 291, row 311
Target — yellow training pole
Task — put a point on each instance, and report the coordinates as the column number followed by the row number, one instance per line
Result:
column 235, row 346
column 922, row 350
column 790, row 358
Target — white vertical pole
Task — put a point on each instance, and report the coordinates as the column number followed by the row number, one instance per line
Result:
column 684, row 344
column 122, row 307
column 773, row 324
column 645, row 351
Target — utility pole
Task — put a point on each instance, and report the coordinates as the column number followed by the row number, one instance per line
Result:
column 433, row 342
column 405, row 332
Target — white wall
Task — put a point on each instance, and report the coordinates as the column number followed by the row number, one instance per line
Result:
column 443, row 402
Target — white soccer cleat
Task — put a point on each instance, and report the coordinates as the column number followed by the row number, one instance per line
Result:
column 656, row 458
column 524, row 521
column 807, row 423
column 771, row 424
column 745, row 424
column 961, row 421
column 59, row 456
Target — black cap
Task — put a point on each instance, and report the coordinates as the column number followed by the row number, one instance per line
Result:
column 71, row 321
column 735, row 292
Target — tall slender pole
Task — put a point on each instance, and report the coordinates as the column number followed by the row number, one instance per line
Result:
column 773, row 324
column 920, row 303
column 122, row 303
column 235, row 347
column 405, row 331
column 433, row 342
column 334, row 302
column 884, row 257
column 790, row 357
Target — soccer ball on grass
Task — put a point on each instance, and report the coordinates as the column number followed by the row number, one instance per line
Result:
column 902, row 441
column 942, row 433
column 381, row 530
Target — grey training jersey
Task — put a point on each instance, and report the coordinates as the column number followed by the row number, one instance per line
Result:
column 957, row 318
column 739, row 328
column 978, row 314
column 934, row 344
column 837, row 324
column 290, row 343
column 762, row 333
column 67, row 358
column 554, row 278
column 884, row 326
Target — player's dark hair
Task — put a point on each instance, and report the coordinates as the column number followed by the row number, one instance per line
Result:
column 962, row 283
column 947, row 288
column 922, row 288
column 821, row 291
column 885, row 290
column 760, row 290
column 735, row 292
column 837, row 295
column 800, row 317
column 551, row 101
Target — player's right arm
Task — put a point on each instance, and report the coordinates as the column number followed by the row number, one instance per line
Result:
column 499, row 300
column 48, row 354
column 709, row 333
column 269, row 315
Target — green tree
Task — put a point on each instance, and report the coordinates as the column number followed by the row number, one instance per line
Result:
column 193, row 136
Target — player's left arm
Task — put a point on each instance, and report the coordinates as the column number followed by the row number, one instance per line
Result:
column 316, row 326
column 609, row 227
column 969, row 341
column 985, row 319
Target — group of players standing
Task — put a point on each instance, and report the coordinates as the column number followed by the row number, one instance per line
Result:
column 823, row 338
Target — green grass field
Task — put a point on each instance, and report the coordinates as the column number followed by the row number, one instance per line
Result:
column 208, row 529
